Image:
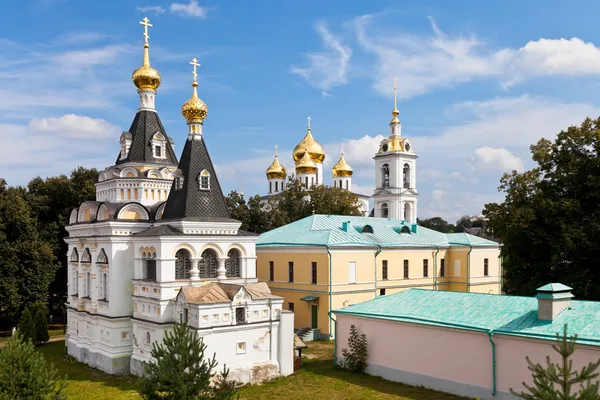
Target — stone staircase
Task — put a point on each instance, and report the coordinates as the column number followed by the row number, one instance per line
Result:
column 307, row 334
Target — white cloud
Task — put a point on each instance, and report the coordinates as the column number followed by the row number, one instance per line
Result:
column 192, row 9
column 75, row 126
column 437, row 195
column 151, row 9
column 499, row 159
column 326, row 69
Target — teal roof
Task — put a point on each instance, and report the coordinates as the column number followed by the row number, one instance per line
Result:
column 327, row 230
column 554, row 287
column 509, row 315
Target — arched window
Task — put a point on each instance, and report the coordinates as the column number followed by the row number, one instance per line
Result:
column 158, row 146
column 74, row 282
column 104, row 286
column 232, row 264
column 405, row 229
column 147, row 337
column 271, row 187
column 204, row 180
column 182, row 264
column 385, row 212
column 347, row 185
column 406, row 175
column 407, row 212
column 150, row 266
column 306, row 180
column 87, row 284
column 74, row 255
column 276, row 186
column 208, row 264
column 385, row 170
column 86, row 257
column 102, row 259
column 367, row 229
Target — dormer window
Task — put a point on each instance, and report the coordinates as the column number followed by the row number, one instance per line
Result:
column 204, row 180
column 159, row 142
column 178, row 180
column 125, row 142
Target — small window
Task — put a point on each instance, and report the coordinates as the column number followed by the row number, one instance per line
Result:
column 486, row 267
column 425, row 268
column 240, row 315
column 290, row 271
column 148, row 339
column 185, row 316
column 276, row 186
column 382, row 292
column 150, row 272
column 405, row 269
column 443, row 267
column 314, row 273
column 384, row 269
column 204, row 180
column 158, row 151
column 271, row 187
column 367, row 229
column 271, row 271
column 291, row 307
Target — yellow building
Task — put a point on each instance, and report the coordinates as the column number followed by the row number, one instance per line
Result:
column 326, row 262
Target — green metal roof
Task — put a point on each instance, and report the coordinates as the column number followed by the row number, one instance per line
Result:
column 327, row 230
column 554, row 287
column 509, row 315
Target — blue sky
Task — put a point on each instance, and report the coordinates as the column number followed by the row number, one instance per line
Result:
column 478, row 83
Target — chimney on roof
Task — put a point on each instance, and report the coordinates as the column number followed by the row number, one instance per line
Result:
column 345, row 226
column 553, row 299
column 413, row 228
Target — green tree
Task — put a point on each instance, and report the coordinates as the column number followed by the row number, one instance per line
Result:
column 27, row 262
column 556, row 381
column 24, row 375
column 463, row 222
column 355, row 356
column 181, row 370
column 437, row 224
column 549, row 221
column 333, row 201
column 27, row 326
column 41, row 323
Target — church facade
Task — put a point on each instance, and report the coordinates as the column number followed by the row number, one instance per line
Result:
column 157, row 246
column 308, row 157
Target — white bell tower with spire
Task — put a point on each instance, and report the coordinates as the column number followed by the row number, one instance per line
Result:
column 396, row 193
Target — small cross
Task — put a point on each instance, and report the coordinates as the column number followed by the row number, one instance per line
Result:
column 146, row 23
column 342, row 148
column 276, row 147
column 195, row 64
column 308, row 122
column 394, row 92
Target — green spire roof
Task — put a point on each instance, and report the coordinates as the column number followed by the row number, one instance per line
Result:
column 328, row 230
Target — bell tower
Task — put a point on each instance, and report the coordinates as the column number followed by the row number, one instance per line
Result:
column 395, row 193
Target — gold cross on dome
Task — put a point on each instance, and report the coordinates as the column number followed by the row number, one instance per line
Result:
column 342, row 148
column 146, row 23
column 276, row 147
column 308, row 122
column 395, row 93
column 195, row 64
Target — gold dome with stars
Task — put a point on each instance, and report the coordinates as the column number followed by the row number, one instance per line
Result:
column 310, row 145
column 146, row 77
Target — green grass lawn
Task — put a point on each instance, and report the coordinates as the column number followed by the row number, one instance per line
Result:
column 316, row 378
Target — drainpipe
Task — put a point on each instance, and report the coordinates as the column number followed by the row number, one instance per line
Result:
column 490, row 334
column 469, row 269
column 375, row 269
column 334, row 338
column 330, row 297
column 435, row 274
column 501, row 273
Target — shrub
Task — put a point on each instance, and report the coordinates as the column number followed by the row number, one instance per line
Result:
column 27, row 326
column 40, row 323
column 24, row 375
column 355, row 358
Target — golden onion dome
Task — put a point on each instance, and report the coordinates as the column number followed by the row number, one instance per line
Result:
column 276, row 170
column 146, row 77
column 306, row 164
column 315, row 150
column 342, row 168
column 194, row 109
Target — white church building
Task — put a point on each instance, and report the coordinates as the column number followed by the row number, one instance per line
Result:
column 157, row 246
column 395, row 193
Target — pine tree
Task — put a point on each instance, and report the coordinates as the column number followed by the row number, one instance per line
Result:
column 24, row 375
column 41, row 323
column 355, row 359
column 555, row 381
column 26, row 326
column 181, row 371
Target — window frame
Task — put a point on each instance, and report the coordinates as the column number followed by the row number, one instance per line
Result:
column 313, row 273
column 290, row 271
column 425, row 268
column 384, row 270
column 442, row 267
column 406, row 267
column 486, row 267
column 272, row 271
